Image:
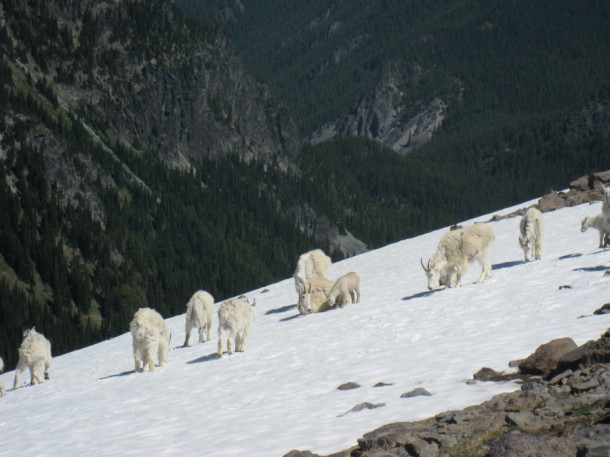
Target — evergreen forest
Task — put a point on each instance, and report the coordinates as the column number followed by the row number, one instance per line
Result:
column 530, row 117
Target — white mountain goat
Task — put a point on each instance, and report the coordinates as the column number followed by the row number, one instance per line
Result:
column 2, row 390
column 606, row 201
column 455, row 251
column 35, row 351
column 199, row 313
column 531, row 239
column 150, row 339
column 235, row 318
column 314, row 299
column 345, row 291
column 599, row 222
column 312, row 264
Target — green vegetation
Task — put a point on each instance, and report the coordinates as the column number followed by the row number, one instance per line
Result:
column 142, row 234
column 512, row 57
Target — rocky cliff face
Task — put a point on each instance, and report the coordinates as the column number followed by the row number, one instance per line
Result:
column 215, row 109
column 141, row 75
column 396, row 111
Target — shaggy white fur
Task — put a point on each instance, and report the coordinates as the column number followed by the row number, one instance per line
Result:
column 455, row 251
column 150, row 339
column 35, row 351
column 199, row 313
column 312, row 264
column 2, row 390
column 345, row 291
column 601, row 224
column 532, row 228
column 235, row 318
column 314, row 299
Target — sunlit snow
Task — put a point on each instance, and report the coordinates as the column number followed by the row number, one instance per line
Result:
column 281, row 394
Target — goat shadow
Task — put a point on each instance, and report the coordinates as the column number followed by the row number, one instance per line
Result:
column 295, row 316
column 118, row 375
column 592, row 269
column 570, row 256
column 425, row 293
column 500, row 266
column 205, row 358
column 283, row 309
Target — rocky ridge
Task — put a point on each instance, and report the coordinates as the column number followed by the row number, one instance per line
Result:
column 563, row 412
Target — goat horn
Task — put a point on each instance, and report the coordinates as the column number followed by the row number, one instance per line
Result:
column 423, row 266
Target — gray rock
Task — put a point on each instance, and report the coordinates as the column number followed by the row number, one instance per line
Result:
column 545, row 359
column 520, row 445
column 420, row 391
column 348, row 386
column 361, row 406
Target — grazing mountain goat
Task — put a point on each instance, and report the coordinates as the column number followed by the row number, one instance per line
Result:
column 235, row 318
column 314, row 299
column 346, row 290
column 199, row 313
column 2, row 390
column 150, row 339
column 601, row 223
column 34, row 352
column 312, row 264
column 455, row 251
column 532, row 228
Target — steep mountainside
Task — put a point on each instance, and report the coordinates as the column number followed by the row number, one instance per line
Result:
column 147, row 79
column 139, row 161
column 477, row 66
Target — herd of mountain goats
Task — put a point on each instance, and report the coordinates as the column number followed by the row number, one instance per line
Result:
column 455, row 251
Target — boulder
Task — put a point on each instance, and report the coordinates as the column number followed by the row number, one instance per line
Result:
column 545, row 359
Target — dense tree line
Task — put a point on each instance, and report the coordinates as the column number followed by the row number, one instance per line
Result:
column 144, row 234
column 509, row 58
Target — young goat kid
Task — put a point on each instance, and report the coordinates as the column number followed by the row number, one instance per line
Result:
column 345, row 291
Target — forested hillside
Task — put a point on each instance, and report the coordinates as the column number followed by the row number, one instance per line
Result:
column 512, row 58
column 531, row 111
column 112, row 197
column 140, row 160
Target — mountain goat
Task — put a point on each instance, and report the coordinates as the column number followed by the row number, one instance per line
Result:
column 455, row 251
column 2, row 390
column 312, row 264
column 34, row 352
column 199, row 313
column 235, row 318
column 532, row 228
column 314, row 299
column 346, row 290
column 601, row 223
column 150, row 339
column 606, row 201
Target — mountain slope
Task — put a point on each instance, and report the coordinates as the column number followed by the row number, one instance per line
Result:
column 135, row 151
column 512, row 58
column 282, row 392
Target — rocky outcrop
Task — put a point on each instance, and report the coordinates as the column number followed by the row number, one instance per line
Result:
column 585, row 189
column 565, row 414
column 389, row 112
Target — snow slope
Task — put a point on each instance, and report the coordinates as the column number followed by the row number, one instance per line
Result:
column 281, row 394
